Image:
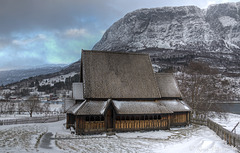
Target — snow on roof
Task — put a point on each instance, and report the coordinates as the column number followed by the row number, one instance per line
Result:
column 140, row 107
column 176, row 106
column 130, row 107
column 75, row 107
column 168, row 85
column 92, row 108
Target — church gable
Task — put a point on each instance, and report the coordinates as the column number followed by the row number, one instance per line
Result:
column 118, row 75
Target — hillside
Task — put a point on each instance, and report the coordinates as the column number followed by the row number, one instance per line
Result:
column 181, row 33
column 11, row 76
column 53, row 81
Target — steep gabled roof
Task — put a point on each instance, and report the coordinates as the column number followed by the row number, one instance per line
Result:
column 176, row 106
column 168, row 85
column 140, row 107
column 118, row 75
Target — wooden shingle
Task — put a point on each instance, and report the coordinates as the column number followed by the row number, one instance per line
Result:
column 118, row 75
column 168, row 85
column 140, row 107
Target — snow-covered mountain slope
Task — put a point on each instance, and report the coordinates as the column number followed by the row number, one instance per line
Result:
column 213, row 34
column 187, row 27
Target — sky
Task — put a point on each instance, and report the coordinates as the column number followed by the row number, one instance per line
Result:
column 41, row 32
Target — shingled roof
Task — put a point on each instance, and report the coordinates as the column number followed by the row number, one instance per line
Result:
column 118, row 75
column 140, row 107
column 75, row 108
column 92, row 108
column 168, row 85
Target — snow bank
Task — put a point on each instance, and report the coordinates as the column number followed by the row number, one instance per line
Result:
column 229, row 122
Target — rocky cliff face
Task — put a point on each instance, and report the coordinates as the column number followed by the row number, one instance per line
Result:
column 209, row 34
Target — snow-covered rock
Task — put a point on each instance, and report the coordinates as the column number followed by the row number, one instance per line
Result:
column 211, row 35
column 186, row 27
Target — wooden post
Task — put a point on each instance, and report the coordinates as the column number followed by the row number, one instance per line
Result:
column 134, row 123
column 120, row 127
column 144, row 122
column 139, row 121
column 168, row 117
column 77, row 128
column 125, row 125
column 114, row 120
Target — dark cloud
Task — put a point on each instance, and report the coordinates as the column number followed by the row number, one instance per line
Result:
column 26, row 15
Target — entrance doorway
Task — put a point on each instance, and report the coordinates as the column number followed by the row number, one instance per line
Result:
column 110, row 119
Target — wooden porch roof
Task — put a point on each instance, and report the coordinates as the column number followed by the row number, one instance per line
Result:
column 92, row 108
column 176, row 105
column 140, row 107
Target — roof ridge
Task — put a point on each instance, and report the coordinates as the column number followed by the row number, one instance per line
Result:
column 114, row 52
column 164, row 73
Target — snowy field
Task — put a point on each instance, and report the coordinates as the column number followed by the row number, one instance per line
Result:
column 229, row 121
column 53, row 137
column 54, row 109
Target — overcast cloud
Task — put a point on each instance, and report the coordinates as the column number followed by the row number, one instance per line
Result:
column 38, row 32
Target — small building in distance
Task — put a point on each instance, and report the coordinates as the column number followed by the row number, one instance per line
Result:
column 120, row 92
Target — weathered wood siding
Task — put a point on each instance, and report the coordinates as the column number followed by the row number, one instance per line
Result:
column 84, row 125
column 179, row 119
column 111, row 121
column 135, row 123
column 79, row 124
column 94, row 126
column 140, row 125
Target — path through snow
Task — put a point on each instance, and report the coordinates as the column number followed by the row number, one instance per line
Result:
column 57, row 139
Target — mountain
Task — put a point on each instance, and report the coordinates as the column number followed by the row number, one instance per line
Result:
column 209, row 35
column 11, row 76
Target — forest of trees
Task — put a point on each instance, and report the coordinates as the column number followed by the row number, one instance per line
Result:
column 201, row 86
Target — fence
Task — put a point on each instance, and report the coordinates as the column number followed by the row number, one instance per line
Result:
column 199, row 120
column 231, row 138
column 46, row 119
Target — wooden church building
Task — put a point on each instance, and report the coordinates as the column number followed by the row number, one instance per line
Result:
column 120, row 92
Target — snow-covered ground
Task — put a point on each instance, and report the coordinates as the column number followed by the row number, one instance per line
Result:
column 24, row 138
column 229, row 121
column 54, row 109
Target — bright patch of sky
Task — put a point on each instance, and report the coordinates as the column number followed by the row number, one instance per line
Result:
column 55, row 31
